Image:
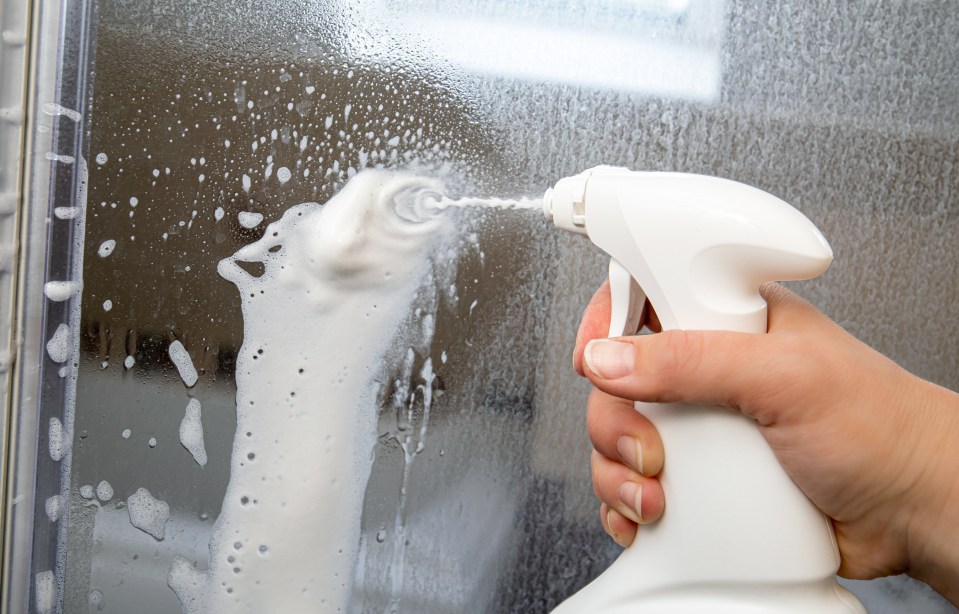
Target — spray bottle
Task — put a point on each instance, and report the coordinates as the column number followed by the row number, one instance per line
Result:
column 737, row 535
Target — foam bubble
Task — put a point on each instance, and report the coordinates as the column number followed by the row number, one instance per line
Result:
column 58, row 442
column 249, row 219
column 59, row 291
column 184, row 364
column 107, row 247
column 45, row 584
column 191, row 432
column 148, row 514
column 53, row 506
column 66, row 213
column 104, row 491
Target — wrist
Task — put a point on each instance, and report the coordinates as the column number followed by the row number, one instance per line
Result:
column 933, row 525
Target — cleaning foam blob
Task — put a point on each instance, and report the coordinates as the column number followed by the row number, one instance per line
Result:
column 338, row 285
column 148, row 514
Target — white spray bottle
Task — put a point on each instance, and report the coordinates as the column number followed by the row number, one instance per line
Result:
column 737, row 535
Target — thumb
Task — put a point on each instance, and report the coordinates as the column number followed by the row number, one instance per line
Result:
column 706, row 367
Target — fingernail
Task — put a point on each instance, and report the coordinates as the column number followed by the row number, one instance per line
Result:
column 631, row 494
column 612, row 532
column 609, row 359
column 631, row 451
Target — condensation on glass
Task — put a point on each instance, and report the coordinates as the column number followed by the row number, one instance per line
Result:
column 187, row 114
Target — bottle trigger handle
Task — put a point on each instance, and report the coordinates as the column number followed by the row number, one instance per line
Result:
column 627, row 301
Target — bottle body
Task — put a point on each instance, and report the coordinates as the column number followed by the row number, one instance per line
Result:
column 737, row 535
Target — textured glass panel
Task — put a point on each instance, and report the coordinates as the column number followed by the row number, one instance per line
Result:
column 483, row 503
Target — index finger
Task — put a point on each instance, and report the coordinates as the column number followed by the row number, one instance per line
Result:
column 594, row 324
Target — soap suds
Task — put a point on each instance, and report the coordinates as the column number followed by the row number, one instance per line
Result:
column 66, row 213
column 191, row 432
column 183, row 363
column 249, row 219
column 58, row 440
column 59, row 345
column 128, row 362
column 52, row 506
column 104, row 491
column 319, row 325
column 59, row 291
column 51, row 108
column 45, row 584
column 148, row 514
column 86, row 491
column 106, row 248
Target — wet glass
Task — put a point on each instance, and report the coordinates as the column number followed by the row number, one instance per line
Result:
column 200, row 114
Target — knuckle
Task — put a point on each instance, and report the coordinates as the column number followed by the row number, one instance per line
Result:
column 679, row 355
column 596, row 474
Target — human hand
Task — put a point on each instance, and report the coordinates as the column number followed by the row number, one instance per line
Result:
column 872, row 446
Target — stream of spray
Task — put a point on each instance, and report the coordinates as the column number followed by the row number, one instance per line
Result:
column 444, row 202
column 341, row 287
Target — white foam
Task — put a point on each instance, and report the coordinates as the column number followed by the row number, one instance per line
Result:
column 246, row 183
column 184, row 364
column 51, row 108
column 45, row 584
column 249, row 219
column 128, row 362
column 107, row 305
column 101, row 158
column 107, row 247
column 318, row 326
column 59, row 291
column 66, row 213
column 53, row 506
column 58, row 440
column 86, row 491
column 191, row 432
column 218, row 214
column 126, row 433
column 283, row 174
column 148, row 514
column 104, row 491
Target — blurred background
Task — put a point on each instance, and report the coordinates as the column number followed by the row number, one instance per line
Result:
column 189, row 107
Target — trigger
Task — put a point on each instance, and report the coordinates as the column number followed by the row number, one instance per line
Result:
column 627, row 303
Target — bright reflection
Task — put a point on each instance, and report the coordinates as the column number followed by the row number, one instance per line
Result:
column 668, row 48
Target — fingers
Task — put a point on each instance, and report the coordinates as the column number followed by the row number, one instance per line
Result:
column 636, row 497
column 709, row 367
column 621, row 433
column 594, row 325
column 617, row 526
column 595, row 322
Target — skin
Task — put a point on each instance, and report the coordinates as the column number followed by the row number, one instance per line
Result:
column 873, row 446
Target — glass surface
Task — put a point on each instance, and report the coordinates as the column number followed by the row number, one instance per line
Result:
column 847, row 113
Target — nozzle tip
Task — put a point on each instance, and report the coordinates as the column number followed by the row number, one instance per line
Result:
column 548, row 204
